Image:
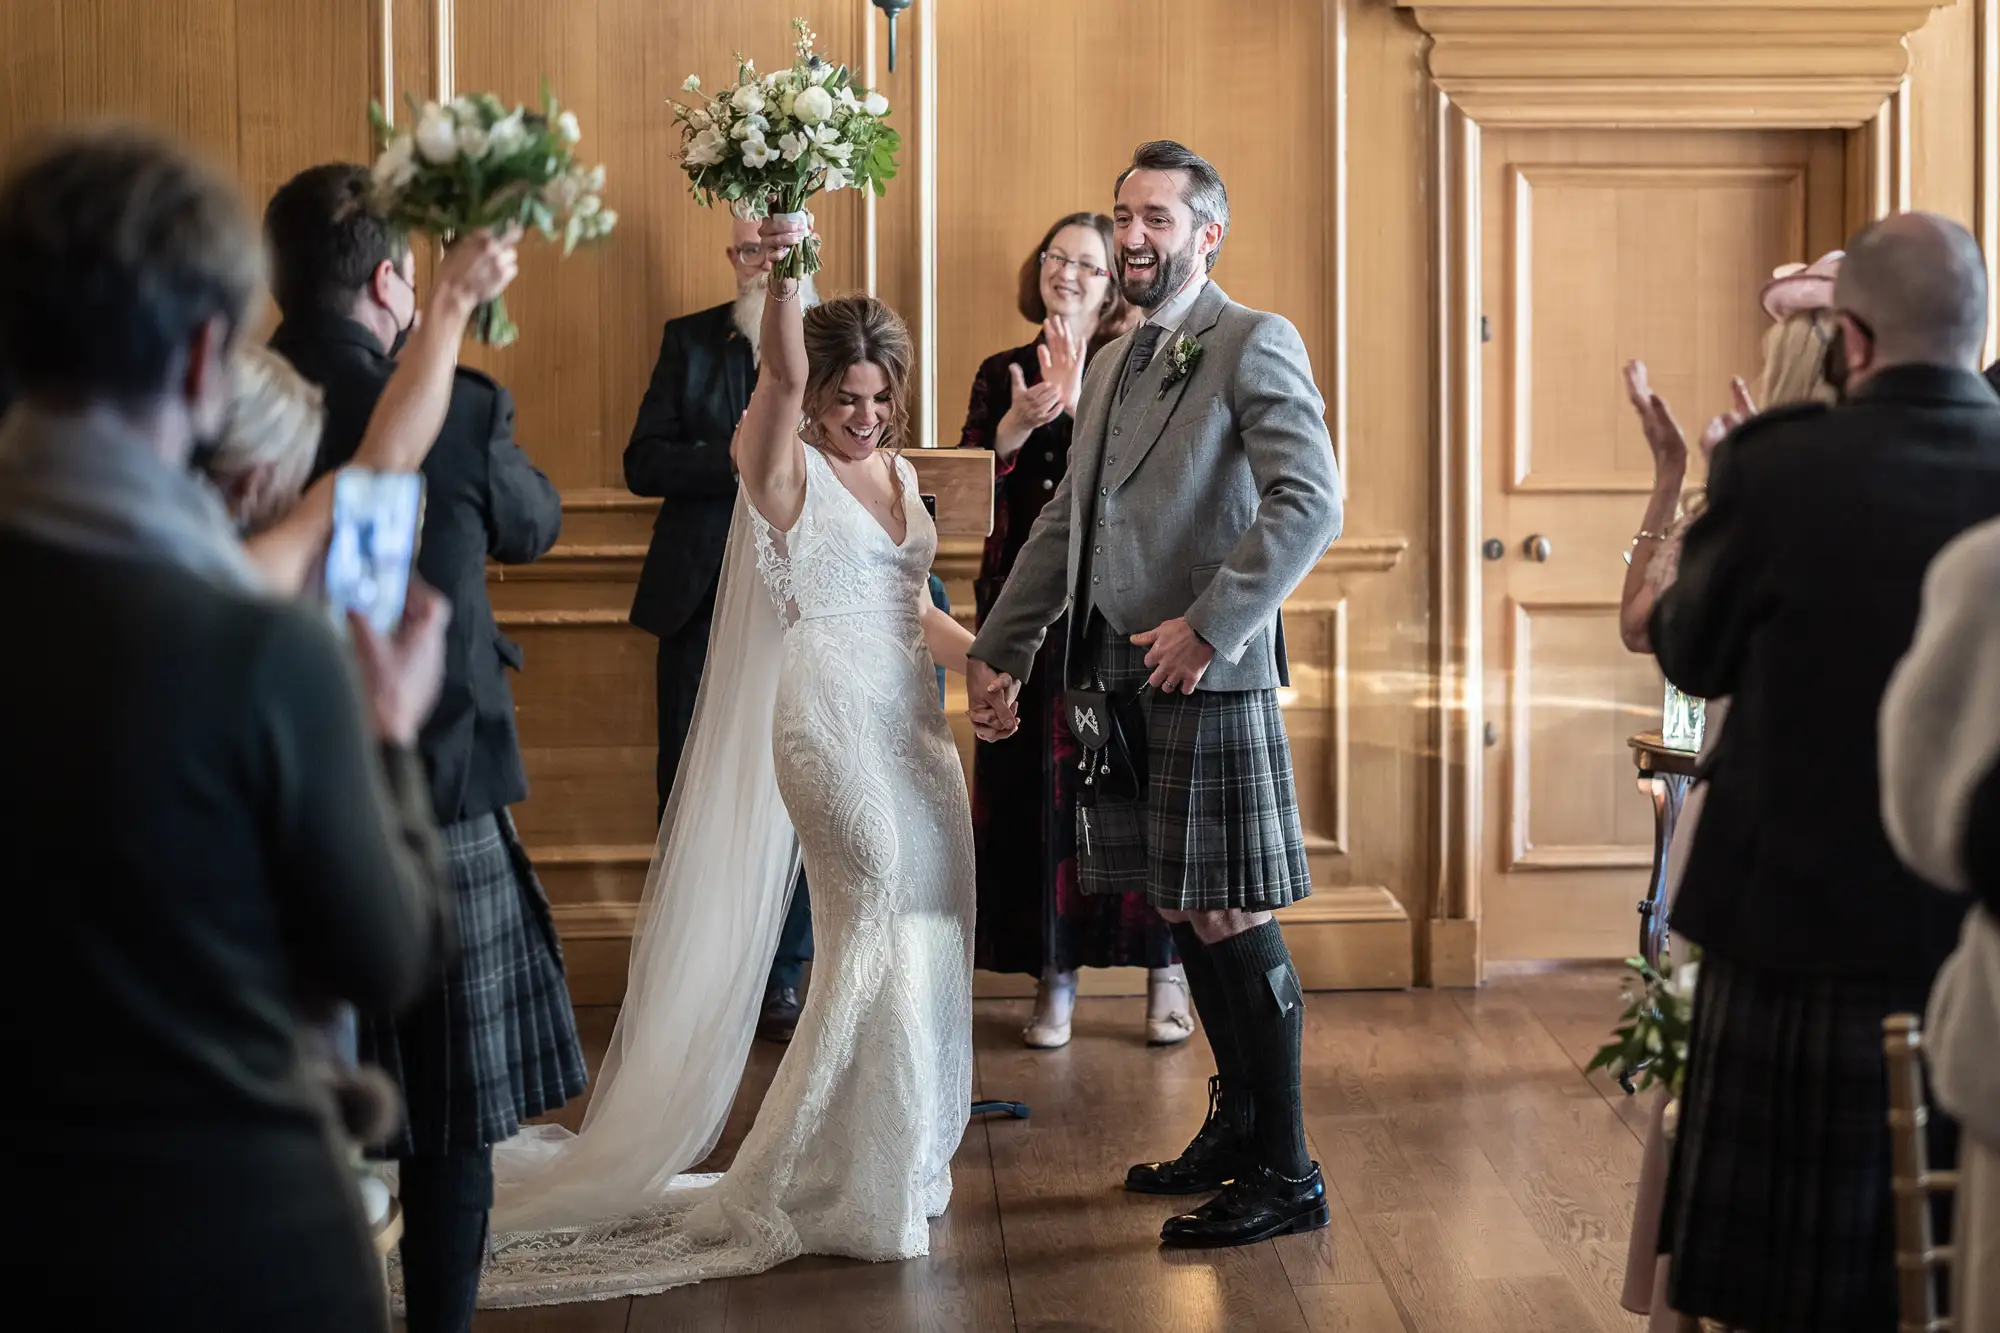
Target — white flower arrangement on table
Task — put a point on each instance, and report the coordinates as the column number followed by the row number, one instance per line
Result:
column 770, row 142
column 474, row 163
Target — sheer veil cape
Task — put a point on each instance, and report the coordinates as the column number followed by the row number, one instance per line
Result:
column 715, row 898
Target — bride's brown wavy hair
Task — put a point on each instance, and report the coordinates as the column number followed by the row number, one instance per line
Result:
column 846, row 332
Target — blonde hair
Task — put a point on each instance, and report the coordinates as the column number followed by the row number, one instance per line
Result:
column 1794, row 372
column 275, row 419
column 1794, row 364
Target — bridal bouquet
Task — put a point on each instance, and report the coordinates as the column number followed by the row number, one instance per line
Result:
column 768, row 143
column 475, row 163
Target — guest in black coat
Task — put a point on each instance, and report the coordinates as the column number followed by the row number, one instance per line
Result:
column 494, row 1043
column 1798, row 592
column 210, row 828
column 680, row 453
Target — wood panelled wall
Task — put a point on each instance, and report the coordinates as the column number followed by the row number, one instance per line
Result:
column 1349, row 132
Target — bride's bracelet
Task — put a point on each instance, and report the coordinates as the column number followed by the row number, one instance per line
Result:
column 786, row 291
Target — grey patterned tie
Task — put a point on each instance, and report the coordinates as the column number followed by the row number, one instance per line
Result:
column 1144, row 343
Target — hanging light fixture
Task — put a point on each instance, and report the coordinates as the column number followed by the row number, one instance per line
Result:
column 892, row 8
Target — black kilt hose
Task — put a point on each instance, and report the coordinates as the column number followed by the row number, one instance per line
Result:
column 1219, row 826
column 493, row 1042
column 1778, row 1213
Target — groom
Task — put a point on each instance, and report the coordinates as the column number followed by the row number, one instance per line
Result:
column 1201, row 489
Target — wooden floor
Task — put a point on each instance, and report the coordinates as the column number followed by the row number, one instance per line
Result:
column 1479, row 1182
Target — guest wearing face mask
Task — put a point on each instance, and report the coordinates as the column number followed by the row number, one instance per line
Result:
column 679, row 452
column 277, row 419
column 493, row 1044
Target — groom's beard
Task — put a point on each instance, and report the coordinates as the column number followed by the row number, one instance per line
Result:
column 748, row 316
column 1147, row 288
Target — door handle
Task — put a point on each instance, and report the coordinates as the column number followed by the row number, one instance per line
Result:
column 1537, row 548
column 1493, row 549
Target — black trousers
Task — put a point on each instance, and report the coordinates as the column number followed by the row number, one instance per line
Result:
column 677, row 681
column 446, row 1198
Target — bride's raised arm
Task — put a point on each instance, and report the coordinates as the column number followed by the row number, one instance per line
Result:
column 766, row 450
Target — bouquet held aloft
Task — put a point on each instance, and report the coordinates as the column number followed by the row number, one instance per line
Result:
column 768, row 143
column 473, row 163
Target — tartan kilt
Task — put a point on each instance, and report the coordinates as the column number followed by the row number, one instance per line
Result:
column 1219, row 826
column 493, row 1041
column 1778, row 1212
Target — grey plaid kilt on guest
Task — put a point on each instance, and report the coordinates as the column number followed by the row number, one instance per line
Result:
column 1778, row 1212
column 493, row 1041
column 1219, row 826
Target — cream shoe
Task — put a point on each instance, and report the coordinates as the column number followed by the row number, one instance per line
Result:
column 1168, row 1020
column 1055, row 1003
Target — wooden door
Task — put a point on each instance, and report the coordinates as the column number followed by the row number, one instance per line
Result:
column 1599, row 246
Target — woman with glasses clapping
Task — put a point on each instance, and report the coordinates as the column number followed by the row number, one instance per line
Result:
column 1032, row 918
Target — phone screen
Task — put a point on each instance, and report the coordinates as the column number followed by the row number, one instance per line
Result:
column 377, row 517
column 930, row 506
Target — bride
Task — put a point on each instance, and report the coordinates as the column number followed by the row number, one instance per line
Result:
column 818, row 713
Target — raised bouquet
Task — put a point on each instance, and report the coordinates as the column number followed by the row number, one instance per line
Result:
column 475, row 163
column 768, row 143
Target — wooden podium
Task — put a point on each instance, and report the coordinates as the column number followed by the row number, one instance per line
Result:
column 960, row 481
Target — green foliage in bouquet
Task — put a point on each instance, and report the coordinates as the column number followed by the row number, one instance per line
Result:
column 476, row 163
column 1651, row 1039
column 768, row 143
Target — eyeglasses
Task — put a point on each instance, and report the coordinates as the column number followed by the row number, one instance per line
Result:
column 1062, row 262
column 749, row 252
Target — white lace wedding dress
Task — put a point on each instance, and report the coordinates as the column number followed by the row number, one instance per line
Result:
column 851, row 1150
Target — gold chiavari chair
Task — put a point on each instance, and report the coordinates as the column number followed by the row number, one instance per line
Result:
column 1920, row 1262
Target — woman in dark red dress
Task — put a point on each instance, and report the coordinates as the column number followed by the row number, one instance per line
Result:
column 1033, row 919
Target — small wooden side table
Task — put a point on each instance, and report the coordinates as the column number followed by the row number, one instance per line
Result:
column 1665, row 774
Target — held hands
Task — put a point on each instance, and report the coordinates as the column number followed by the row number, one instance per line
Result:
column 1177, row 655
column 402, row 674
column 990, row 697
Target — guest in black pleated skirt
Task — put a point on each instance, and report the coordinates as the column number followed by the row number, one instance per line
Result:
column 1798, row 591
column 1778, row 1201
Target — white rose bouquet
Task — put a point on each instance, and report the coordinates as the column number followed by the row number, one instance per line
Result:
column 475, row 163
column 770, row 142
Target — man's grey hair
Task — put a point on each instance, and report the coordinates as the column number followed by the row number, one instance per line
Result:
column 1201, row 190
column 1918, row 281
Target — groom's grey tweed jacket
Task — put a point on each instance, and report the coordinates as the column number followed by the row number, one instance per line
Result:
column 1210, row 498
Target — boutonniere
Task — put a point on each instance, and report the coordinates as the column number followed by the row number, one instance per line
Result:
column 1182, row 358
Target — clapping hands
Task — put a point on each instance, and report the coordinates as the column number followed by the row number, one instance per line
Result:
column 1034, row 404
column 1663, row 433
column 1742, row 408
column 990, row 697
column 1062, row 353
